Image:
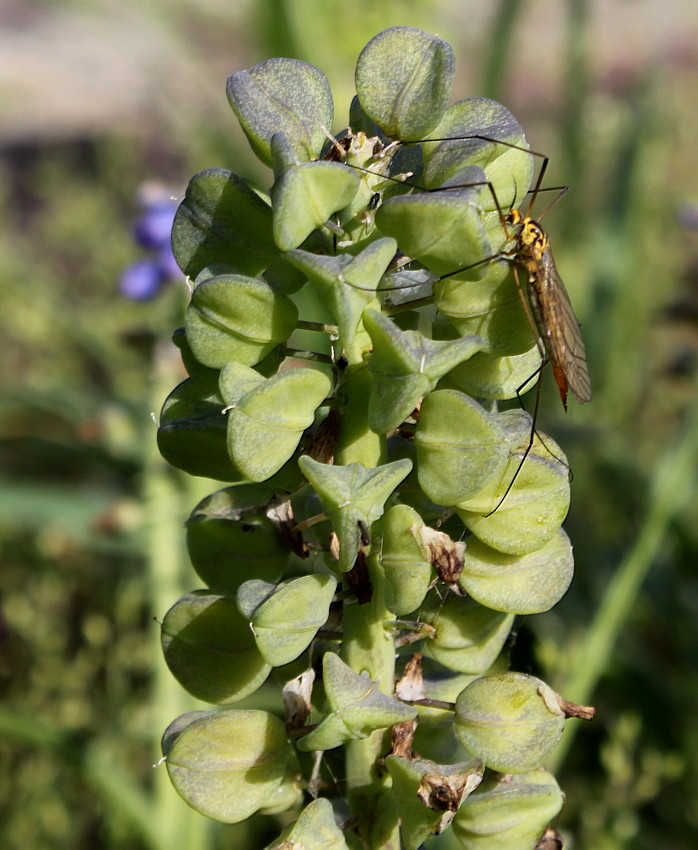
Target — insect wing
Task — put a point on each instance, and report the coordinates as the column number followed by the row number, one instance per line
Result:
column 560, row 330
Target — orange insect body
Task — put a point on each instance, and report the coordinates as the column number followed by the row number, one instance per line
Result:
column 551, row 308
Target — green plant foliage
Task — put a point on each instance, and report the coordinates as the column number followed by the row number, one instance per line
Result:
column 210, row 650
column 374, row 475
column 510, row 721
column 226, row 764
column 356, row 708
column 405, row 561
column 509, row 812
column 428, row 795
column 315, row 829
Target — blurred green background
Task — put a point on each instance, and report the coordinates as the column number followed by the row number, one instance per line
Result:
column 97, row 97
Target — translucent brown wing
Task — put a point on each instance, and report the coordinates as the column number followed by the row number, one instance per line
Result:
column 559, row 329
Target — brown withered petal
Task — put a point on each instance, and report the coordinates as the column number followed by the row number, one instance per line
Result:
column 411, row 684
column 401, row 736
column 324, row 440
column 358, row 579
column 297, row 695
column 446, row 555
column 281, row 515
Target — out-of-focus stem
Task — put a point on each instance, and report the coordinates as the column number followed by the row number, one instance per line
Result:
column 672, row 486
column 165, row 495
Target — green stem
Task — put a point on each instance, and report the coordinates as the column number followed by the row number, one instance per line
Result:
column 357, row 443
column 573, row 118
column 500, row 50
column 321, row 327
column 367, row 645
column 671, row 488
column 170, row 575
column 300, row 354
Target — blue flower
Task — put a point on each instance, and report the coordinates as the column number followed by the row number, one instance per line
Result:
column 144, row 278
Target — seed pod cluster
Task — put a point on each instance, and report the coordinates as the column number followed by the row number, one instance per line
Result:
column 348, row 341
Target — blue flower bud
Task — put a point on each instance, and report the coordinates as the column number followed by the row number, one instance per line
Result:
column 141, row 280
column 153, row 228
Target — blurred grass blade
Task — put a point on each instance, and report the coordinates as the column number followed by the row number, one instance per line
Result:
column 671, row 488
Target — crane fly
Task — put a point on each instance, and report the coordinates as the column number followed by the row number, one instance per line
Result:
column 544, row 298
column 550, row 305
column 546, row 302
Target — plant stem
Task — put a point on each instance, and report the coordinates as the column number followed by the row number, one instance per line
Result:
column 321, row 327
column 499, row 53
column 169, row 576
column 357, row 443
column 367, row 646
column 671, row 488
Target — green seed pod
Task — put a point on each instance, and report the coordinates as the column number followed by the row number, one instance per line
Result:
column 357, row 708
column 534, row 508
column 403, row 77
column 489, row 306
column 508, row 169
column 228, row 764
column 285, row 618
column 512, row 722
column 346, row 285
column 489, row 376
column 460, row 447
column 405, row 366
column 210, row 649
column 428, row 795
column 223, row 221
column 306, row 194
column 468, row 636
column 266, row 424
column 353, row 496
column 405, row 562
column 315, row 829
column 518, row 584
column 233, row 317
column 509, row 812
column 443, row 230
column 193, row 428
column 285, row 96
column 231, row 540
